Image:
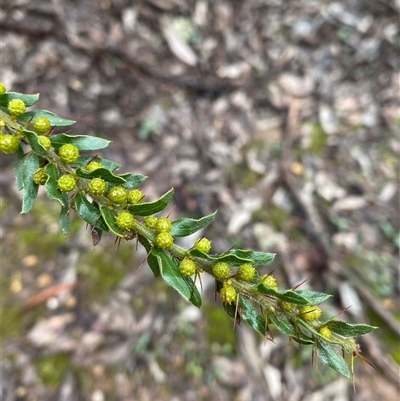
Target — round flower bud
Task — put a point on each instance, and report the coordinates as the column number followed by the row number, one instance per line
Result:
column 286, row 306
column 135, row 196
column 269, row 281
column 93, row 165
column 163, row 225
column 68, row 153
column 41, row 125
column 164, row 240
column 97, row 186
column 150, row 221
column 202, row 245
column 39, row 176
column 16, row 107
column 221, row 270
column 325, row 332
column 228, row 294
column 125, row 221
column 2, row 88
column 8, row 143
column 187, row 267
column 117, row 195
column 246, row 272
column 310, row 312
column 66, row 183
column 44, row 141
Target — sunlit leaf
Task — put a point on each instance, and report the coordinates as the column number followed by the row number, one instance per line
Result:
column 349, row 330
column 148, row 208
column 29, row 100
column 82, row 142
column 103, row 173
column 55, row 120
column 314, row 297
column 184, row 227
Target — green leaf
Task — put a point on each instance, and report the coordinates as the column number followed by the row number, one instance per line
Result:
column 286, row 327
column 237, row 257
column 256, row 258
column 54, row 119
column 184, row 227
column 64, row 219
column 132, row 180
column 109, row 219
column 251, row 316
column 51, row 187
column 29, row 100
column 33, row 141
column 332, row 358
column 349, row 330
column 170, row 273
column 82, row 142
column 228, row 258
column 195, row 297
column 89, row 212
column 148, row 208
column 108, row 164
column 288, row 295
column 151, row 259
column 281, row 323
column 25, row 169
column 103, row 173
column 314, row 297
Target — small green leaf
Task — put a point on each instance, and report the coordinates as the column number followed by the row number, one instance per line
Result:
column 109, row 219
column 64, row 219
column 349, row 330
column 33, row 141
column 151, row 259
column 195, row 297
column 286, row 327
column 89, row 212
column 25, row 168
column 82, row 142
column 103, row 173
column 288, row 295
column 54, row 119
column 332, row 358
column 108, row 164
column 251, row 316
column 314, row 297
column 281, row 323
column 170, row 273
column 29, row 100
column 132, row 180
column 148, row 208
column 233, row 260
column 51, row 187
column 186, row 226
column 255, row 258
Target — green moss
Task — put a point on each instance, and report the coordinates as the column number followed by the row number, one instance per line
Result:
column 10, row 321
column 318, row 139
column 389, row 340
column 219, row 328
column 51, row 368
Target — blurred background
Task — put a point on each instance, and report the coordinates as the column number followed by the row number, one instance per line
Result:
column 284, row 116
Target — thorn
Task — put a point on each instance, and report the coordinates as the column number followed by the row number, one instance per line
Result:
column 298, row 285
